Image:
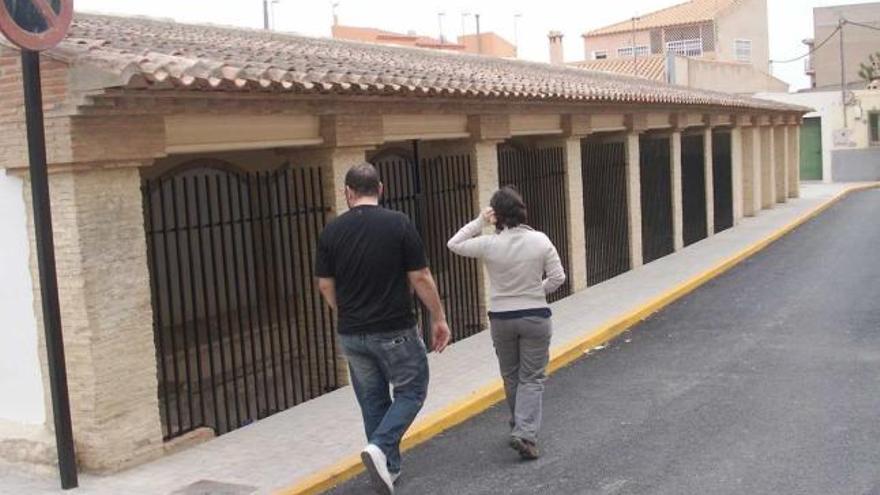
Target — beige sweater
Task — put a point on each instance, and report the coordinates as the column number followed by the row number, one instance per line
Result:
column 517, row 260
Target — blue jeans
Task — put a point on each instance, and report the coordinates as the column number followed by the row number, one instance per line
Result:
column 377, row 361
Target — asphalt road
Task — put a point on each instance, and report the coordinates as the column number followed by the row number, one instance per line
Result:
column 764, row 381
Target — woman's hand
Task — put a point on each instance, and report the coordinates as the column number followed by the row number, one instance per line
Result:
column 489, row 216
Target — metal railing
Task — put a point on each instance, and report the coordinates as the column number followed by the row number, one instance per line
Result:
column 722, row 180
column 437, row 194
column 240, row 329
column 606, row 222
column 539, row 174
column 693, row 188
column 656, row 193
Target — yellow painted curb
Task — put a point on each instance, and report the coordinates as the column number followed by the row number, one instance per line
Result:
column 493, row 393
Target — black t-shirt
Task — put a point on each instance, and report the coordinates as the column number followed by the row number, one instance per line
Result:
column 368, row 251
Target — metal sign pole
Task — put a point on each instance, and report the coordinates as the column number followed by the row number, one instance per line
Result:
column 33, row 101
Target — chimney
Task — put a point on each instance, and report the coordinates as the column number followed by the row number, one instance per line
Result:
column 556, row 56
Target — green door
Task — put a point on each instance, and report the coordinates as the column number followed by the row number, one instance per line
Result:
column 811, row 149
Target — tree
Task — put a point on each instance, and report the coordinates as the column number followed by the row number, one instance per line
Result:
column 870, row 71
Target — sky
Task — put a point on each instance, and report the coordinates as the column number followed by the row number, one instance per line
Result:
column 791, row 21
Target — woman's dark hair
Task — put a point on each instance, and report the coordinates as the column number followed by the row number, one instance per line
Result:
column 363, row 179
column 510, row 210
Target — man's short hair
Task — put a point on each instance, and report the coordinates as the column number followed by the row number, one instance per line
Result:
column 510, row 210
column 363, row 179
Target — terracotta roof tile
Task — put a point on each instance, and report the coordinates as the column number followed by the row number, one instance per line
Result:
column 652, row 67
column 152, row 54
column 692, row 12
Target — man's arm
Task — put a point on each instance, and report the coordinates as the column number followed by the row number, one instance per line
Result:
column 327, row 286
column 423, row 283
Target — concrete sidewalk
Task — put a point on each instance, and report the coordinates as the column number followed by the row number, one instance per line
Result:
column 285, row 449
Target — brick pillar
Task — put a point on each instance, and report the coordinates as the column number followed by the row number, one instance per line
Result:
column 677, row 204
column 752, row 171
column 708, row 161
column 634, row 198
column 334, row 163
column 106, row 314
column 756, row 169
column 780, row 150
column 794, row 160
column 737, row 152
column 767, row 168
column 574, row 196
column 484, row 156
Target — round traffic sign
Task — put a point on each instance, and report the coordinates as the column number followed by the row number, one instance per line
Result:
column 35, row 24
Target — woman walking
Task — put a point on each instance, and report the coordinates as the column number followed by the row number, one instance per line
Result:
column 523, row 268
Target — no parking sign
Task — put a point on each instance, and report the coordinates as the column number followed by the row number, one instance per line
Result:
column 35, row 24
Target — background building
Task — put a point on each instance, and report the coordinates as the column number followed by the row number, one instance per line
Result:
column 859, row 42
column 840, row 142
column 708, row 44
column 489, row 44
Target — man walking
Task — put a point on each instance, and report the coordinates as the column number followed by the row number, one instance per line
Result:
column 369, row 262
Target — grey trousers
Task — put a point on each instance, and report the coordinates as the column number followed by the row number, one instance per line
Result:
column 523, row 349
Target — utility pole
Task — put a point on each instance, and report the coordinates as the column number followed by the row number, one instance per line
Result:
column 479, row 38
column 266, row 15
column 841, row 23
column 440, row 16
column 464, row 15
column 633, row 45
column 516, row 18
column 333, row 7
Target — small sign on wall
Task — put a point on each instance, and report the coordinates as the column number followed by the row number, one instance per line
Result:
column 843, row 138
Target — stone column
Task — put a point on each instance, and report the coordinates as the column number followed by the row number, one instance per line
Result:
column 574, row 198
column 794, row 161
column 487, row 132
column 484, row 156
column 767, row 168
column 708, row 161
column 634, row 198
column 752, row 171
column 677, row 202
column 106, row 313
column 736, row 172
column 781, row 163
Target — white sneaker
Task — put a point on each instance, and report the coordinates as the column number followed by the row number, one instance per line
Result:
column 377, row 465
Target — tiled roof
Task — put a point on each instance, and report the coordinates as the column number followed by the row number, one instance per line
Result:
column 159, row 55
column 652, row 67
column 692, row 12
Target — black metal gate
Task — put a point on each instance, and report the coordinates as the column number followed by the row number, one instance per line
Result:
column 438, row 196
column 693, row 188
column 539, row 175
column 656, row 184
column 722, row 180
column 606, row 218
column 240, row 330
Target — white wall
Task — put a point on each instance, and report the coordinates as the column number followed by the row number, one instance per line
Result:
column 21, row 385
column 827, row 108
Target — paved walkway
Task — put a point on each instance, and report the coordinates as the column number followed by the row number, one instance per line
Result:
column 287, row 447
column 763, row 381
